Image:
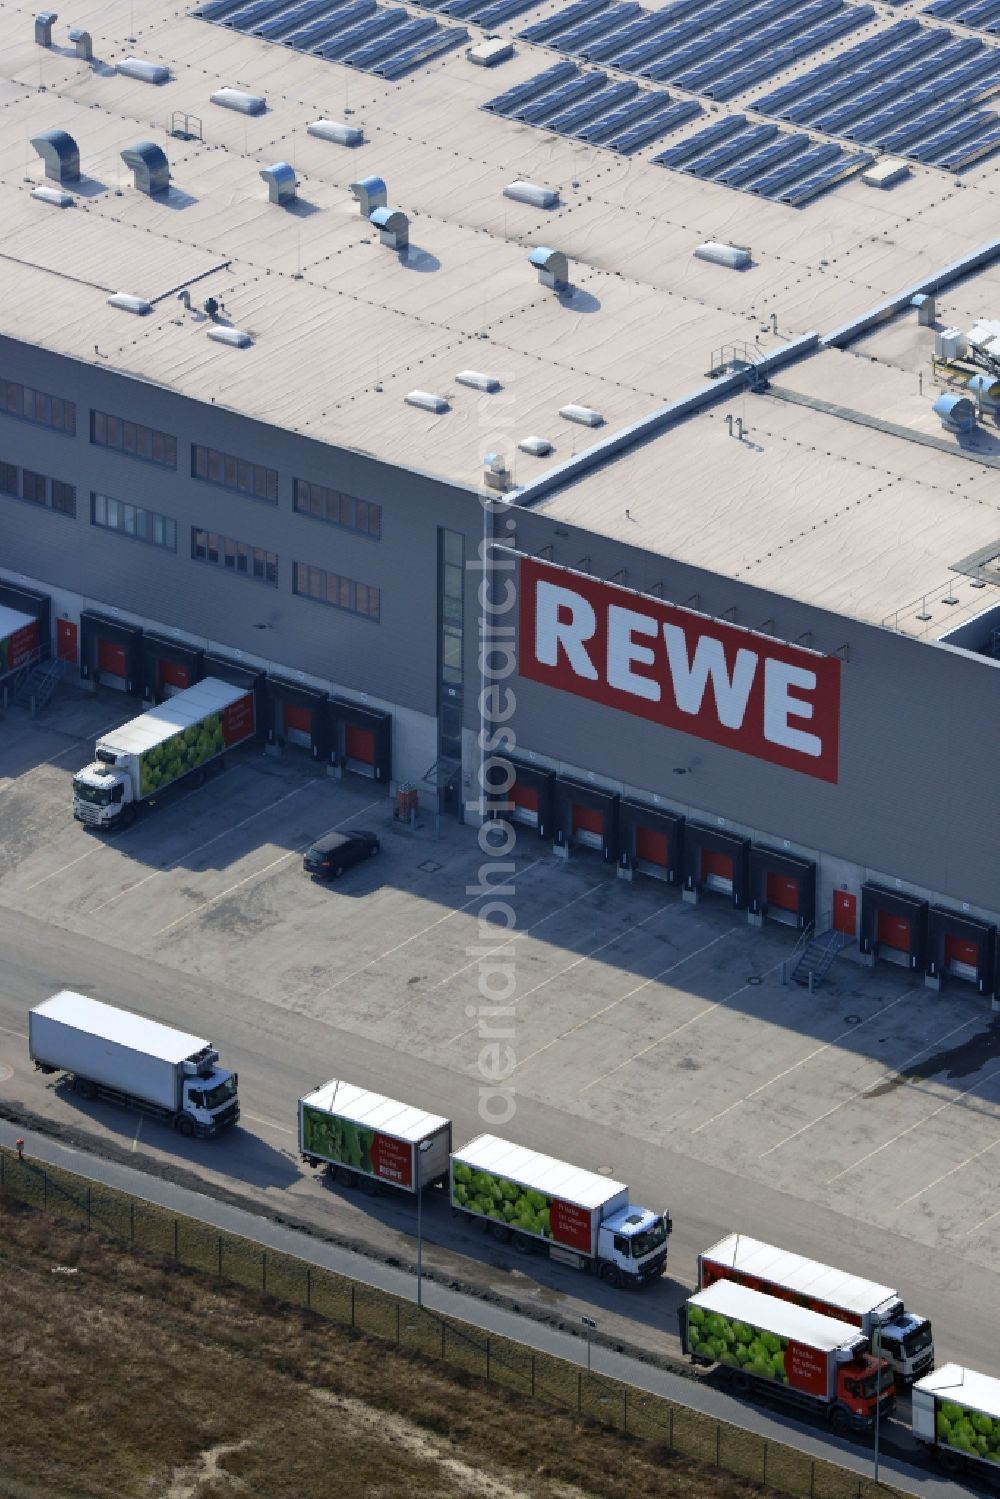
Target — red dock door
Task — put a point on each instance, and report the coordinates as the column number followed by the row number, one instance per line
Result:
column 782, row 892
column 359, row 745
column 525, row 799
column 717, row 871
column 893, row 931
column 111, row 663
column 651, row 847
column 588, row 826
column 173, row 677
column 961, row 957
column 297, row 724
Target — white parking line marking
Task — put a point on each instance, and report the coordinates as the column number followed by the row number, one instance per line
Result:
column 190, row 853
column 61, row 870
column 7, row 1032
column 983, row 1221
column 345, row 977
column 931, row 1046
column 197, row 910
column 256, row 1119
column 653, row 979
column 960, row 1167
column 719, row 1003
column 80, row 739
column 948, row 1103
column 851, row 1029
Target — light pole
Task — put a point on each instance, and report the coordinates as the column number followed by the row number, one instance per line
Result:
column 589, row 1324
column 421, row 1150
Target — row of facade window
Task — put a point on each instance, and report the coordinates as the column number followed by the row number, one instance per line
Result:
column 133, row 520
column 207, row 464
column 339, row 592
column 25, row 484
column 235, row 556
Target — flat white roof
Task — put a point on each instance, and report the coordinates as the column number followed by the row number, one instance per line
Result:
column 528, row 1168
column 11, row 620
column 965, row 1387
column 122, row 1027
column 361, row 1106
column 779, row 1317
column 179, row 712
column 808, row 1277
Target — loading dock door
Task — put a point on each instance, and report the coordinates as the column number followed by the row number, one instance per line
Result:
column 845, row 913
column 651, row 850
column 359, row 748
column 717, row 871
column 893, row 932
column 297, row 724
column 526, row 801
column 782, row 892
column 111, row 660
column 588, row 826
column 173, row 677
column 961, row 957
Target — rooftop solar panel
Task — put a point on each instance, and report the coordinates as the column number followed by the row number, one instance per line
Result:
column 624, row 37
column 845, row 166
column 542, row 30
column 596, row 26
column 976, row 15
column 553, row 100
column 972, row 151
column 712, row 135
column 441, row 39
column 652, row 126
column 567, row 121
column 289, row 18
column 521, row 92
column 773, row 184
column 944, row 8
column 216, row 10
column 360, row 32
column 501, row 10
column 709, row 164
column 626, row 115
column 311, row 36
column 942, row 142
column 762, row 162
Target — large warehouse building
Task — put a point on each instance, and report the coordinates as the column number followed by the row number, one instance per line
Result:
column 309, row 307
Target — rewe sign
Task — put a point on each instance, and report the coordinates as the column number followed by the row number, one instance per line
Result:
column 651, row 659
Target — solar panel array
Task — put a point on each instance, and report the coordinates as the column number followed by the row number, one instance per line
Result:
column 382, row 39
column 909, row 91
column 590, row 106
column 713, row 47
column 785, row 166
column 984, row 15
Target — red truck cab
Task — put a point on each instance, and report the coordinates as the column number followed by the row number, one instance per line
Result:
column 862, row 1383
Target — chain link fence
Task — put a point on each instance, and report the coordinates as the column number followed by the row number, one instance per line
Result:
column 237, row 1260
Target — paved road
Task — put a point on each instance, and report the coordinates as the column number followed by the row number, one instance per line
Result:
column 694, row 1393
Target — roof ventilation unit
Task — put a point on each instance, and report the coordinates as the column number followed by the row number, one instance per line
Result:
column 54, row 195
column 83, row 42
column 885, row 173
column 393, row 227
column 128, row 303
column 427, row 402
column 736, row 257
column 584, row 416
column 478, row 381
column 236, row 338
column 281, row 183
column 926, row 309
column 985, row 391
column 334, row 130
column 950, row 343
column 44, row 22
column 240, row 100
column 533, row 194
column 490, row 51
column 496, row 474
column 60, row 153
column 145, row 72
column 538, row 447
column 149, row 164
column 957, row 413
column 552, row 267
column 370, row 193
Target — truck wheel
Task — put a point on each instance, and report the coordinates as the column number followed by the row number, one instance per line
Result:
column 85, row 1087
column 611, row 1275
column 347, row 1177
column 500, row 1232
column 839, row 1421
column 184, row 1126
column 739, row 1382
column 337, row 872
column 950, row 1461
column 522, row 1243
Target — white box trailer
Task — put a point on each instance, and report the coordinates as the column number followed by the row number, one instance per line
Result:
column 362, row 1134
column 19, row 640
column 906, row 1341
column 117, row 1055
column 576, row 1216
column 175, row 741
column 956, row 1414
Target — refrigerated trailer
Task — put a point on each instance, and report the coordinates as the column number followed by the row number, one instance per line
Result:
column 956, row 1414
column 176, row 742
column 780, row 1352
column 365, row 1136
column 575, row 1216
column 906, row 1341
column 19, row 640
column 127, row 1059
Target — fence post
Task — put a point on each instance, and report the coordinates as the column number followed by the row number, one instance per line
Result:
column 176, row 1241
column 263, row 1271
column 90, row 1215
column 812, row 1479
column 309, row 1297
column 397, row 1324
column 219, row 1237
column 45, row 1191
column 131, row 1222
column 532, row 1374
column 718, row 1444
column 443, row 1336
column 670, row 1433
column 487, row 1357
column 353, row 1319
column 763, row 1477
column 579, row 1391
column 625, row 1408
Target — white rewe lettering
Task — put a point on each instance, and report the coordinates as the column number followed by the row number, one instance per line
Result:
column 554, row 629
column 780, row 706
column 624, row 652
column 691, row 677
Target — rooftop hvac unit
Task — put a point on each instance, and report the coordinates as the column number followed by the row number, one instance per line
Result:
column 950, row 343
column 957, row 413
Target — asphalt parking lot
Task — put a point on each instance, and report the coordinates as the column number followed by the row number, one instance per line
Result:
column 875, row 1098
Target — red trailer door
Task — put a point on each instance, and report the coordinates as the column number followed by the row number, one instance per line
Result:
column 173, row 677
column 297, row 723
column 783, row 892
column 717, row 871
column 893, row 932
column 588, row 826
column 961, row 957
column 651, row 848
column 526, row 800
column 111, row 661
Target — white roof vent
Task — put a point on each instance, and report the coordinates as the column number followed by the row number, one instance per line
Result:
column 427, row 402
column 236, row 338
column 736, row 257
column 950, row 343
column 128, row 303
column 536, row 446
column 478, row 381
column 586, row 416
column 490, row 51
column 240, row 100
column 496, row 474
column 146, row 72
column 333, row 130
column 532, row 193
column 885, row 173
column 57, row 196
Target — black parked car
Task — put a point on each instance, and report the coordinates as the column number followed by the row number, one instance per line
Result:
column 330, row 856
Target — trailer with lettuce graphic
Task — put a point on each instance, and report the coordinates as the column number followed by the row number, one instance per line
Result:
column 362, row 1136
column 956, row 1414
column 576, row 1216
column 769, row 1347
column 176, row 742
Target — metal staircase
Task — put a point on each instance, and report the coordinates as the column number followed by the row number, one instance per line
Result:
column 815, row 955
column 35, row 684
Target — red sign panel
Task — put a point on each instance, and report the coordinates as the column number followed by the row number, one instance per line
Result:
column 806, row 1368
column 570, row 1225
column 712, row 1270
column 237, row 720
column 392, row 1160
column 651, row 659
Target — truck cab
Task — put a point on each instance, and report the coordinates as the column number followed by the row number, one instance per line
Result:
column 632, row 1245
column 906, row 1342
column 862, row 1384
column 211, row 1101
column 101, row 793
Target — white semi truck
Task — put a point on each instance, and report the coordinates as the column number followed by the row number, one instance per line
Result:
column 365, row 1137
column 905, row 1339
column 956, row 1414
column 575, row 1216
column 174, row 742
column 127, row 1059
